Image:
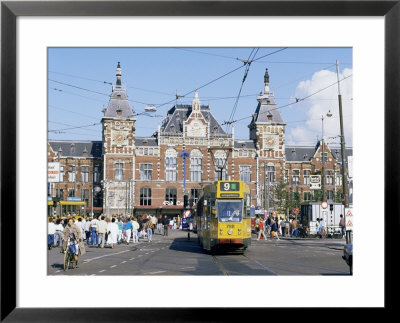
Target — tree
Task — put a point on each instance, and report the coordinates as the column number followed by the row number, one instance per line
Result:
column 281, row 195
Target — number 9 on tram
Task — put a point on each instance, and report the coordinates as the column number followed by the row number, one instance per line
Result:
column 223, row 217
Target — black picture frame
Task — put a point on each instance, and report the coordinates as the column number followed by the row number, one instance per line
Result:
column 10, row 10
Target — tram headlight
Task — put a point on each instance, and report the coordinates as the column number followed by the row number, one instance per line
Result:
column 239, row 232
column 221, row 232
column 230, row 231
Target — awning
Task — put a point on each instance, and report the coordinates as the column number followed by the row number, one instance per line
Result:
column 71, row 203
column 49, row 202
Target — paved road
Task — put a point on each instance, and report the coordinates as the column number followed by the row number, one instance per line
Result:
column 176, row 255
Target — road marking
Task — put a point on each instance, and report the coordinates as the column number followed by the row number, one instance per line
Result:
column 140, row 256
column 131, row 258
column 102, row 271
column 58, row 271
column 146, row 253
column 93, row 275
column 156, row 272
column 123, row 262
column 186, row 268
column 112, row 254
column 113, row 266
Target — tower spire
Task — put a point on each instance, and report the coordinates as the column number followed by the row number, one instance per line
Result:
column 266, row 81
column 196, row 102
column 118, row 74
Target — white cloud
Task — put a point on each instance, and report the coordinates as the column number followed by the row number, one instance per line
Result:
column 319, row 104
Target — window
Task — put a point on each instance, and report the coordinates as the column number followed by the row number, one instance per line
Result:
column 286, row 178
column 270, row 175
column 85, row 173
column 338, row 179
column 306, row 177
column 119, row 171
column 194, row 195
column 324, row 156
column 96, row 174
column 170, row 196
column 60, row 193
column 296, row 177
column 170, row 165
column 220, row 164
column 71, row 192
column 330, row 195
column 307, row 196
column 85, row 195
column 245, row 173
column 146, row 172
column 329, row 177
column 62, row 174
column 145, row 196
column 71, row 173
column 195, row 165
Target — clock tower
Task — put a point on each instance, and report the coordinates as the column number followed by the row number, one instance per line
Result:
column 267, row 130
column 118, row 151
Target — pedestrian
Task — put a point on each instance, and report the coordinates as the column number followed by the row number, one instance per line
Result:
column 57, row 235
column 171, row 224
column 101, row 229
column 287, row 227
column 323, row 228
column 51, row 230
column 135, row 228
column 342, row 225
column 93, row 229
column 261, row 231
column 159, row 224
column 274, row 230
column 294, row 228
column 80, row 225
column 282, row 225
column 318, row 227
column 120, row 225
column 149, row 229
column 165, row 224
column 87, row 229
column 112, row 230
column 127, row 228
column 153, row 219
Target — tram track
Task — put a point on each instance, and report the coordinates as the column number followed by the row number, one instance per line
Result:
column 248, row 262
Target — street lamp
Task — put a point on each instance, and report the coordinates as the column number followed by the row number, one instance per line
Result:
column 329, row 114
column 59, row 173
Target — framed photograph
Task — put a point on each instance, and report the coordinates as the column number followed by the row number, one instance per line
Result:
column 36, row 33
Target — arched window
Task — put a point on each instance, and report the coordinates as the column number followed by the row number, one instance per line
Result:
column 196, row 163
column 220, row 164
column 170, row 165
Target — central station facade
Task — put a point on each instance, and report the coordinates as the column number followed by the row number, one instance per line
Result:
column 126, row 174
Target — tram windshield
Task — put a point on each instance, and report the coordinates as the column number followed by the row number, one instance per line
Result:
column 230, row 211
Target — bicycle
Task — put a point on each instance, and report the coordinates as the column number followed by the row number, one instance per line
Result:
column 69, row 255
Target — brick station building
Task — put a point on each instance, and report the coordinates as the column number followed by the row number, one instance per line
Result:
column 137, row 175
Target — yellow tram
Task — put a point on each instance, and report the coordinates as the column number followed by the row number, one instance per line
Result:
column 223, row 217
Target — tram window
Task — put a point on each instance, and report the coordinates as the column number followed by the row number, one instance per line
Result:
column 230, row 211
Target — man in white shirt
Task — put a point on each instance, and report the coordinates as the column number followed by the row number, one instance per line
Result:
column 87, row 229
column 51, row 230
column 93, row 227
column 57, row 235
column 102, row 229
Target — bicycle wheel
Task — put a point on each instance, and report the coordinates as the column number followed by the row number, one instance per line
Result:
column 66, row 260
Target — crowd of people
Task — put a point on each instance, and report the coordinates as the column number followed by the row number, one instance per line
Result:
column 272, row 227
column 101, row 231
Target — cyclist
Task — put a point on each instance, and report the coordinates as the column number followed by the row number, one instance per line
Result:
column 74, row 233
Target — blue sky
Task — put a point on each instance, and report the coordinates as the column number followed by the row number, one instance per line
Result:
column 78, row 87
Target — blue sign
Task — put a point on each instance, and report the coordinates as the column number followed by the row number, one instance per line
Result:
column 184, row 223
column 76, row 199
column 49, row 198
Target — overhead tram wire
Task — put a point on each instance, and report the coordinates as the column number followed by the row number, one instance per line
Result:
column 289, row 104
column 248, row 63
column 220, row 77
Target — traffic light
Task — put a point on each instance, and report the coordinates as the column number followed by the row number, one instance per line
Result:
column 185, row 201
column 331, row 207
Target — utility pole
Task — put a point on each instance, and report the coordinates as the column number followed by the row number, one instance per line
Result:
column 342, row 144
column 323, row 162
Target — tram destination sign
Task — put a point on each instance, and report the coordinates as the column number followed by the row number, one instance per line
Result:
column 229, row 186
